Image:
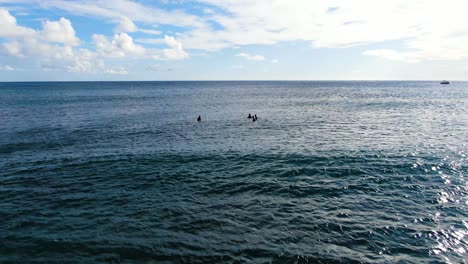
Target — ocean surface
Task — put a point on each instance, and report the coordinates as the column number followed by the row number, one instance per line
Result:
column 332, row 172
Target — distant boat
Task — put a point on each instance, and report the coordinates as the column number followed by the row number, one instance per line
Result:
column 444, row 82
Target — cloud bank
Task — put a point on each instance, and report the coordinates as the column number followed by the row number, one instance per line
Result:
column 430, row 30
column 57, row 44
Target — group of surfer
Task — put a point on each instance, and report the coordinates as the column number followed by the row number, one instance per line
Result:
column 253, row 117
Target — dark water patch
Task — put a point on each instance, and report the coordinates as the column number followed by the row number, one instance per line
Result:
column 30, row 146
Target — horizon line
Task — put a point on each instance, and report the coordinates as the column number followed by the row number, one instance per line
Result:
column 253, row 80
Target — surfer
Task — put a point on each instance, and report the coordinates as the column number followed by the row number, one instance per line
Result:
column 199, row 119
column 249, row 116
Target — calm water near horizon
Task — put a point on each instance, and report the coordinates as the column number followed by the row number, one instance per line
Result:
column 332, row 172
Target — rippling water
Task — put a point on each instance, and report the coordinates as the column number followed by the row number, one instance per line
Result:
column 331, row 172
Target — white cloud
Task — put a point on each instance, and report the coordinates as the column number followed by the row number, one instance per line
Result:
column 324, row 23
column 53, row 45
column 274, row 61
column 126, row 25
column 85, row 61
column 66, row 57
column 426, row 28
column 117, row 71
column 176, row 51
column 56, row 45
column 150, row 31
column 427, row 48
column 9, row 28
column 60, row 31
column 13, row 49
column 264, row 22
column 251, row 57
column 36, row 48
column 121, row 45
column 6, row 68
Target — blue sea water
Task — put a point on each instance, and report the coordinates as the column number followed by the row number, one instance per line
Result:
column 332, row 172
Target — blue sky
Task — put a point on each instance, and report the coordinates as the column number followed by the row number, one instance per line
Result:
column 52, row 40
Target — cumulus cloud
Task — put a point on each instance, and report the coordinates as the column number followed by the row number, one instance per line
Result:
column 85, row 61
column 60, row 31
column 64, row 57
column 53, row 45
column 121, row 45
column 56, row 46
column 36, row 48
column 251, row 57
column 426, row 30
column 175, row 52
column 9, row 27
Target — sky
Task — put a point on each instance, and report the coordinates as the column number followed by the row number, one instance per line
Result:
column 101, row 40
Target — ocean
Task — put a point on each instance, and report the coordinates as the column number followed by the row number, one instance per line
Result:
column 331, row 172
